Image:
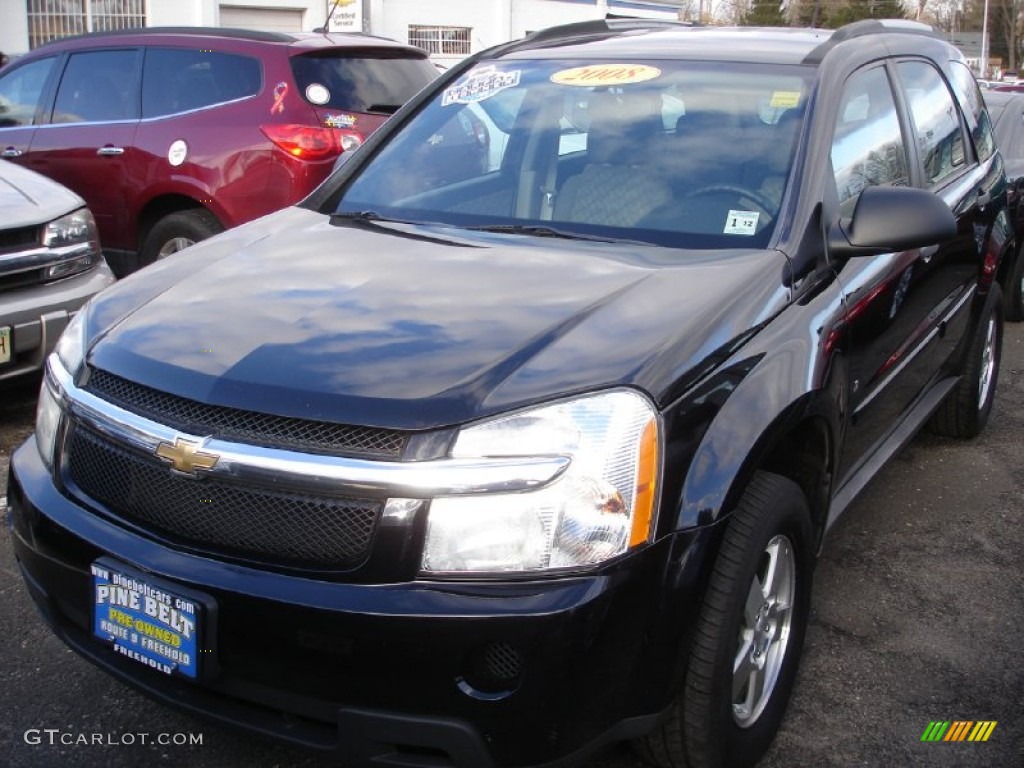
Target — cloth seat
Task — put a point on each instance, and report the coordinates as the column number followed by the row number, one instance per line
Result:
column 617, row 187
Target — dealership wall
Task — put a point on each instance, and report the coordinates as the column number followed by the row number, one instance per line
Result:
column 491, row 21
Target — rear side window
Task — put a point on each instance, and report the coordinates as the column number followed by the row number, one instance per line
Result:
column 20, row 91
column 936, row 121
column 363, row 83
column 974, row 108
column 178, row 80
column 98, row 86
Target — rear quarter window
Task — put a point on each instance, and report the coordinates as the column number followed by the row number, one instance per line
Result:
column 364, row 82
column 21, row 90
column 179, row 80
column 974, row 109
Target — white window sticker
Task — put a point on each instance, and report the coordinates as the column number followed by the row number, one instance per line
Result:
column 741, row 223
column 480, row 84
column 318, row 94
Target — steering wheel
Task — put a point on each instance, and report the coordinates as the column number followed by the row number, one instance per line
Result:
column 762, row 202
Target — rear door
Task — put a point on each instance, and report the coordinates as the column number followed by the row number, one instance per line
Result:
column 89, row 137
column 905, row 310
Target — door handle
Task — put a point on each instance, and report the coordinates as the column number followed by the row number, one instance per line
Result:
column 11, row 152
column 110, row 151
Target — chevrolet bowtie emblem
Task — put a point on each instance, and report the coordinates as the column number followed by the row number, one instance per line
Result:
column 185, row 456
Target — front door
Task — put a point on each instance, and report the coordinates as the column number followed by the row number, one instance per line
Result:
column 89, row 138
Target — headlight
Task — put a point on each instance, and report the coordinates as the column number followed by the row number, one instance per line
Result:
column 74, row 237
column 73, row 229
column 47, row 420
column 600, row 507
column 71, row 345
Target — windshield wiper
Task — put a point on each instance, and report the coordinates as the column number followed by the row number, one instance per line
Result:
column 542, row 231
column 360, row 216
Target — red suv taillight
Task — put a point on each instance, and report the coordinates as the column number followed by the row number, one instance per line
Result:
column 311, row 143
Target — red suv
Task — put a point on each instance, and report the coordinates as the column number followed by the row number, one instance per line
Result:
column 173, row 134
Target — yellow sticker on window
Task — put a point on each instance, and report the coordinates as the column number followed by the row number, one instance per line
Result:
column 605, row 74
column 785, row 99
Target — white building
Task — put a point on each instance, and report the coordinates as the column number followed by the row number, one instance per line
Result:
column 449, row 29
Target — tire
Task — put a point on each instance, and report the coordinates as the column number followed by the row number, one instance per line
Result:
column 176, row 231
column 965, row 411
column 713, row 724
column 1014, row 290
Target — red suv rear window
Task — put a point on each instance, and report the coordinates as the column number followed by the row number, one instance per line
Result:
column 365, row 82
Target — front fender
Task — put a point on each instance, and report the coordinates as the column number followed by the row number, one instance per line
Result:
column 789, row 373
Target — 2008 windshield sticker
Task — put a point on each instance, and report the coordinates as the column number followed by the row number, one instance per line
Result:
column 605, row 74
column 480, row 84
column 741, row 223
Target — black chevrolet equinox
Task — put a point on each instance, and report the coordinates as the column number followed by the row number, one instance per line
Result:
column 494, row 467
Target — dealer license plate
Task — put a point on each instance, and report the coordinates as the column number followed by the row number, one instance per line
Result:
column 5, row 344
column 146, row 621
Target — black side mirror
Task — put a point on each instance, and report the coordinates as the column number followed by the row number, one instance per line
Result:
column 889, row 219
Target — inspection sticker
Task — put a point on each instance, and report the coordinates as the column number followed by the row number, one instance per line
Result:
column 741, row 223
column 480, row 84
column 605, row 74
column 785, row 99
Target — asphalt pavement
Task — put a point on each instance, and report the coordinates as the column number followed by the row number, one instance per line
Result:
column 918, row 616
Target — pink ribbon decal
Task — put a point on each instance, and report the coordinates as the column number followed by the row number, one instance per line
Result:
column 280, row 91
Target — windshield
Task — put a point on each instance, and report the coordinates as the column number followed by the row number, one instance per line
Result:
column 673, row 153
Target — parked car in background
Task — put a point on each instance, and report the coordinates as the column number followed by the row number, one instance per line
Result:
column 171, row 135
column 1006, row 109
column 495, row 467
column 50, row 265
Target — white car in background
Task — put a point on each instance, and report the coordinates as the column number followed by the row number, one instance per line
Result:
column 50, row 265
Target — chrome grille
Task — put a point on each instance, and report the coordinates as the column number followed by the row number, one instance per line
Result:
column 220, row 517
column 239, row 425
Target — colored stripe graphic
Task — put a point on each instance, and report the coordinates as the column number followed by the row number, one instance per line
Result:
column 935, row 731
column 982, row 730
column 959, row 730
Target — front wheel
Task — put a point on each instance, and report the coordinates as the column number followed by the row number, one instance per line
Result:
column 178, row 231
column 748, row 637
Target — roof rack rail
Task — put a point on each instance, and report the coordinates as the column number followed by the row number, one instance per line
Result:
column 866, row 27
column 595, row 27
column 874, row 26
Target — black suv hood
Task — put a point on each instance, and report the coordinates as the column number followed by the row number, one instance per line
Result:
column 402, row 327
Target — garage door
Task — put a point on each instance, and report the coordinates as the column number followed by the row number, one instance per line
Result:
column 266, row 19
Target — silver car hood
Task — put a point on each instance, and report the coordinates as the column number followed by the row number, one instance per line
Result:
column 28, row 198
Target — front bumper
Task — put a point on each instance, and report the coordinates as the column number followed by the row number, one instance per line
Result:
column 38, row 315
column 466, row 673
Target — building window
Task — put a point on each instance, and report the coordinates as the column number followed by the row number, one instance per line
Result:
column 442, row 40
column 52, row 19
